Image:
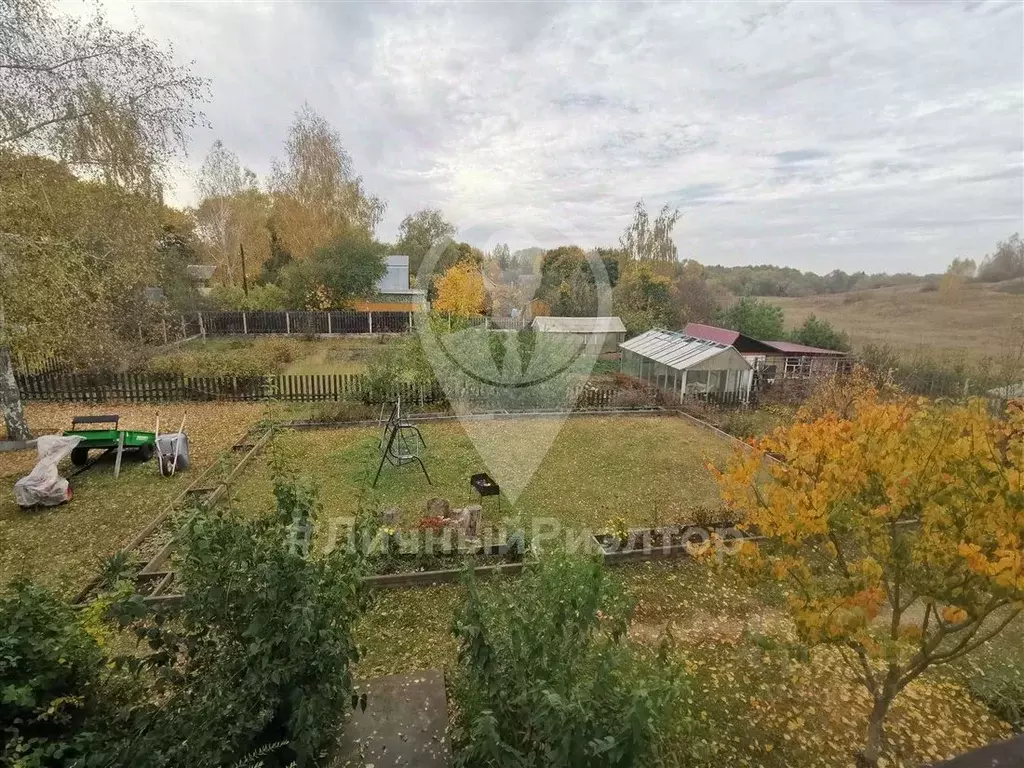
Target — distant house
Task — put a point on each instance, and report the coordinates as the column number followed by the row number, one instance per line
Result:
column 685, row 365
column 393, row 291
column 749, row 347
column 774, row 358
column 603, row 334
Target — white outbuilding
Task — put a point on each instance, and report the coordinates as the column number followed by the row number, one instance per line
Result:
column 600, row 334
column 686, row 366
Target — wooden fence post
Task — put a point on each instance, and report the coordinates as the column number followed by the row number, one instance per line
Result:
column 287, row 323
column 370, row 314
column 328, row 322
column 245, row 325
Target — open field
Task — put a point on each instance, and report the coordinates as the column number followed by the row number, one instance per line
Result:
column 61, row 546
column 979, row 322
column 756, row 700
column 648, row 470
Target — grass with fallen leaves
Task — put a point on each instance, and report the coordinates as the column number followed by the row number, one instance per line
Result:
column 61, row 546
column 757, row 699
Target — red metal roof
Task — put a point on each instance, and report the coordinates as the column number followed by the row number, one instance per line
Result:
column 791, row 348
column 712, row 333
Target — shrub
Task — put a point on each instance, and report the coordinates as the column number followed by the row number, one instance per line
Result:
column 545, row 677
column 261, row 297
column 817, row 332
column 51, row 684
column 261, row 649
column 274, row 619
column 259, row 654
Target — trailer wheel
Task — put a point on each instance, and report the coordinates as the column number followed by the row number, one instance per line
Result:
column 79, row 456
column 145, row 452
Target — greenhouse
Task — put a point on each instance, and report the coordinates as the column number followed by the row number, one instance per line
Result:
column 685, row 365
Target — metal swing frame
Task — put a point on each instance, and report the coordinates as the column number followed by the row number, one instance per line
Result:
column 395, row 430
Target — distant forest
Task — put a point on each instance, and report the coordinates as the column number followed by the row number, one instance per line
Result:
column 1005, row 263
column 768, row 280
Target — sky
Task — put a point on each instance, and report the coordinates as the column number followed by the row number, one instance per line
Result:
column 881, row 136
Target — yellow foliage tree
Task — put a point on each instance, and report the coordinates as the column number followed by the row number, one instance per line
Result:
column 460, row 290
column 897, row 532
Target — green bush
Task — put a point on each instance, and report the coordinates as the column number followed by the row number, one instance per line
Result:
column 546, row 678
column 259, row 654
column 261, row 297
column 51, row 681
column 269, row 629
column 817, row 332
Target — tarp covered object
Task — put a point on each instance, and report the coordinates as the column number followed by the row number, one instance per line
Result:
column 44, row 485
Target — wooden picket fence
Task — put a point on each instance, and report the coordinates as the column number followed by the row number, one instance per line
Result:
column 159, row 388
column 155, row 387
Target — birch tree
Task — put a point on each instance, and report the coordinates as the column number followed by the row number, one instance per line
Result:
column 646, row 241
column 232, row 213
column 108, row 104
column 317, row 196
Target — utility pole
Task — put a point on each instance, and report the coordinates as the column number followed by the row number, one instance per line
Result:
column 245, row 280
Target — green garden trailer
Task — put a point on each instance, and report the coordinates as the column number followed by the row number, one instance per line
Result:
column 107, row 439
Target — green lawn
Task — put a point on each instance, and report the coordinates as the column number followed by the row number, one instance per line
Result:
column 648, row 470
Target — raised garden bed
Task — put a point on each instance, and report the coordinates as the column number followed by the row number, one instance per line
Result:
column 659, row 543
column 416, row 555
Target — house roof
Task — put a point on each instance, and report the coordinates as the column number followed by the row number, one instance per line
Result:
column 711, row 333
column 791, row 348
column 578, row 324
column 744, row 344
column 677, row 350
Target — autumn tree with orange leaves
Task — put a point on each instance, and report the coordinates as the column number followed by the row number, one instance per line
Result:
column 460, row 290
column 896, row 530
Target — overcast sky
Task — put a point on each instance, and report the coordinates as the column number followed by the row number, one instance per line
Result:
column 875, row 136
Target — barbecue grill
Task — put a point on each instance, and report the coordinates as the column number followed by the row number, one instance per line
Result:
column 484, row 485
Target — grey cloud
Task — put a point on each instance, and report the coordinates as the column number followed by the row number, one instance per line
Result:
column 875, row 136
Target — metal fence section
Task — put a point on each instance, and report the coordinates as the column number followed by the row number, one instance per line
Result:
column 301, row 322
